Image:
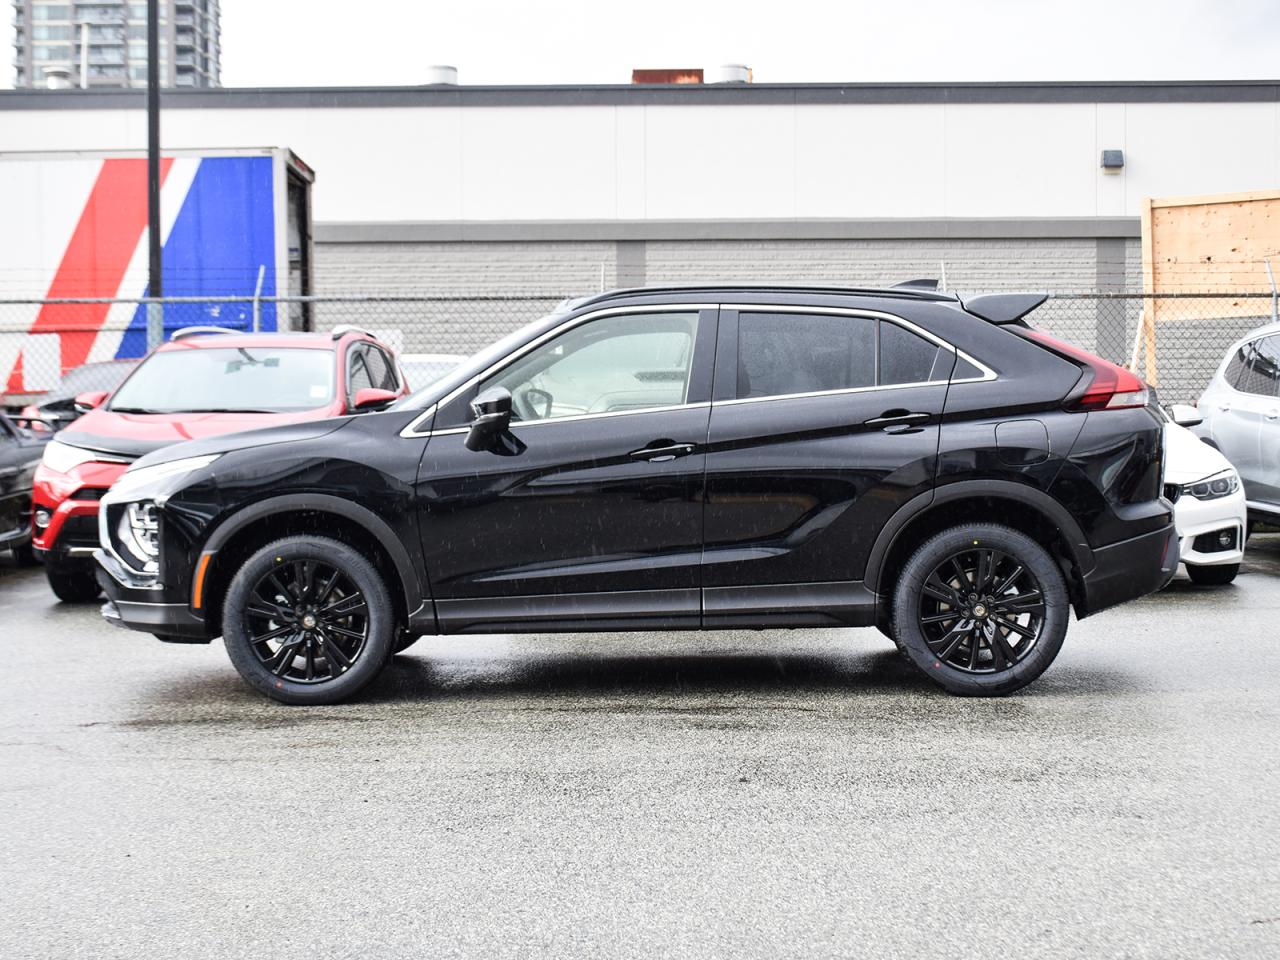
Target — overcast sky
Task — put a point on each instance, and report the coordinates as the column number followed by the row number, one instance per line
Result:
column 345, row 42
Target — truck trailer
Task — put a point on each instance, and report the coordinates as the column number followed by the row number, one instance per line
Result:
column 236, row 223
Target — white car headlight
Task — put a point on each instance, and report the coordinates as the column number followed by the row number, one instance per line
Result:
column 136, row 478
column 1214, row 487
column 63, row 457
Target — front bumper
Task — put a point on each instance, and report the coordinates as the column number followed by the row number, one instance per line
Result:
column 140, row 605
column 1129, row 569
column 1194, row 518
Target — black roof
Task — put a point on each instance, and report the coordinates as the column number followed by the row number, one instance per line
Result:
column 750, row 289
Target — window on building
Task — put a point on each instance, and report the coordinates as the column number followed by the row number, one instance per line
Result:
column 51, row 12
column 50, row 31
column 52, row 52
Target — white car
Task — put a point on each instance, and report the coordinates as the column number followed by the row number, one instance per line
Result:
column 423, row 369
column 1208, row 501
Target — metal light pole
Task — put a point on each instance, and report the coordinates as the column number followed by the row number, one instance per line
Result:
column 155, row 311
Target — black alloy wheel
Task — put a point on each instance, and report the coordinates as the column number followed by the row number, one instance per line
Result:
column 308, row 620
column 981, row 610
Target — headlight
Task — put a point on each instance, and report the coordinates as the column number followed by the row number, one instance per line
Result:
column 1215, row 487
column 139, row 533
column 63, row 457
column 134, row 478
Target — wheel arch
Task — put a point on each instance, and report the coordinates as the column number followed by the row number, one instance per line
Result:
column 1015, row 505
column 319, row 514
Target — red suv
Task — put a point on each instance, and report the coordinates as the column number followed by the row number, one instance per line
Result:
column 203, row 382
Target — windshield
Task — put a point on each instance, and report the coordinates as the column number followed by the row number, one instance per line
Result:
column 229, row 380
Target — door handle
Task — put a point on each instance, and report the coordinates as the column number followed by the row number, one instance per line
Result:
column 662, row 451
column 1273, row 414
column 1224, row 407
column 894, row 418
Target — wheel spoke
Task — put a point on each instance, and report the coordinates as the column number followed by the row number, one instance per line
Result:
column 279, row 587
column 343, row 632
column 311, row 661
column 273, row 634
column 288, row 650
column 974, row 647
column 1008, row 581
column 268, row 611
column 952, row 639
column 940, row 618
column 303, row 571
column 1003, row 654
column 338, row 660
column 327, row 589
column 985, row 571
column 1030, row 602
column 1016, row 627
column 961, row 574
column 346, row 607
column 939, row 590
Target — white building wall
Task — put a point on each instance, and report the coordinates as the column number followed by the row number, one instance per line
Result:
column 728, row 161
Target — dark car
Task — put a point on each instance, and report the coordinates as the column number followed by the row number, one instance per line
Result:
column 673, row 459
column 20, row 452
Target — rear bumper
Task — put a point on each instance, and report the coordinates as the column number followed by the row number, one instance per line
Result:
column 139, row 606
column 1129, row 569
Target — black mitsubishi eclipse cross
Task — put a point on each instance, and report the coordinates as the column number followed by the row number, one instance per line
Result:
column 665, row 459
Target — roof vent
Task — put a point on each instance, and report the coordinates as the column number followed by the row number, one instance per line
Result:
column 57, row 78
column 729, row 73
column 440, row 75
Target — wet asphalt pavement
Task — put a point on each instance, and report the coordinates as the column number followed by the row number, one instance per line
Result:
column 777, row 794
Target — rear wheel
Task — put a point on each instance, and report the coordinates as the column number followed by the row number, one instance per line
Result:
column 72, row 585
column 1214, row 576
column 308, row 620
column 980, row 610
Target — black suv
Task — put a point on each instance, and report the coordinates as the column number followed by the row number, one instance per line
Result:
column 666, row 459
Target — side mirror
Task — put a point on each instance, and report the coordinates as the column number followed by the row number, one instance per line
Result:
column 371, row 398
column 90, row 401
column 491, row 412
column 1185, row 415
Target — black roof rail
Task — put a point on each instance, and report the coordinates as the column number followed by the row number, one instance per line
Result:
column 1003, row 308
column 921, row 284
column 900, row 292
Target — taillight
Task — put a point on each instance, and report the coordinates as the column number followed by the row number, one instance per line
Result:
column 1111, row 387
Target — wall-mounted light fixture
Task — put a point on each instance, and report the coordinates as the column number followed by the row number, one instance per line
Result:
column 1112, row 161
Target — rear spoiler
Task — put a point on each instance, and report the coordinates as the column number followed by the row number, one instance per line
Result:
column 1003, row 308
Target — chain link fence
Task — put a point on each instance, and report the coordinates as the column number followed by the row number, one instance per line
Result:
column 1175, row 341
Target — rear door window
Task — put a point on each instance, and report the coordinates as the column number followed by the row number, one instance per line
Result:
column 783, row 354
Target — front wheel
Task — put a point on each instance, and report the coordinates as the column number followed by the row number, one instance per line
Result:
column 1214, row 576
column 72, row 585
column 980, row 610
column 308, row 620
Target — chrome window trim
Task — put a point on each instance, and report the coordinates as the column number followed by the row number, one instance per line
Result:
column 411, row 431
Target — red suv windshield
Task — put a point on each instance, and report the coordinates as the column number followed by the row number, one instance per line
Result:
column 229, row 380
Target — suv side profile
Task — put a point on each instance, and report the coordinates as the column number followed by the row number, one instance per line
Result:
column 689, row 458
column 203, row 382
column 1241, row 411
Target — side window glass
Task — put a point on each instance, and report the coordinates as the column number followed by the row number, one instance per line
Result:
column 1258, row 374
column 381, row 373
column 1236, row 367
column 1266, row 365
column 625, row 362
column 360, row 376
column 906, row 357
column 787, row 353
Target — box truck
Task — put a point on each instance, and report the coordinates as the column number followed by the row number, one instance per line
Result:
column 235, row 222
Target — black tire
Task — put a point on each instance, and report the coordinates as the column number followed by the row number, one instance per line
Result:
column 25, row 555
column 978, row 659
column 404, row 642
column 1214, row 576
column 73, row 585
column 248, row 631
